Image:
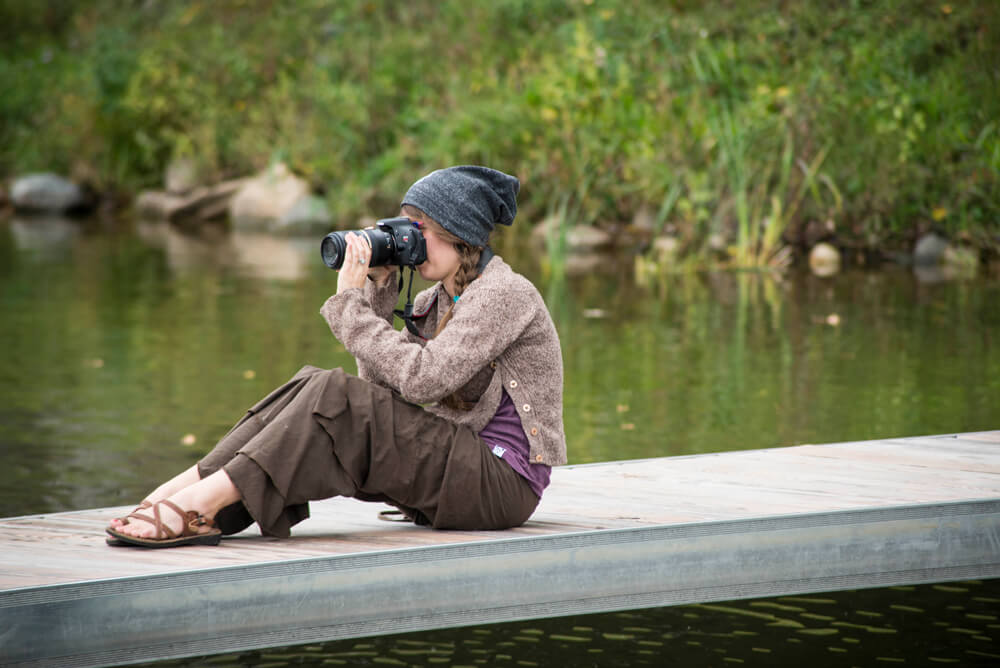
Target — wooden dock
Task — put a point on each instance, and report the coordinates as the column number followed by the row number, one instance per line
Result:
column 613, row 536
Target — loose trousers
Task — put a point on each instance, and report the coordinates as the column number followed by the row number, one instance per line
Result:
column 326, row 433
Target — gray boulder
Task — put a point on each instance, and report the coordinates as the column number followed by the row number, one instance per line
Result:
column 309, row 215
column 579, row 238
column 199, row 204
column 182, row 176
column 264, row 201
column 930, row 250
column 47, row 192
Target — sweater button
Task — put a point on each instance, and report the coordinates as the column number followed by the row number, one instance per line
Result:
column 538, row 458
column 534, row 431
column 527, row 408
column 513, row 384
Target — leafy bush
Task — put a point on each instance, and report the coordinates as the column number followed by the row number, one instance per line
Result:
column 740, row 121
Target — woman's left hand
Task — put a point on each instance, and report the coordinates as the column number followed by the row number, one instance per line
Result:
column 354, row 272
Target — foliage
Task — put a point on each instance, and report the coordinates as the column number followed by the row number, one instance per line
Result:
column 739, row 121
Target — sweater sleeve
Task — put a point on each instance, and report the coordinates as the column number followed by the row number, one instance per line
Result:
column 382, row 301
column 487, row 319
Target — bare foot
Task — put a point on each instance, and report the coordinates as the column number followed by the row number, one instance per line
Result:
column 205, row 497
column 184, row 479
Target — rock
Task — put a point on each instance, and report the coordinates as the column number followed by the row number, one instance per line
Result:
column 665, row 248
column 963, row 262
column 930, row 249
column 182, row 176
column 201, row 204
column 717, row 243
column 824, row 259
column 263, row 200
column 578, row 238
column 155, row 204
column 208, row 203
column 309, row 215
column 543, row 230
column 47, row 192
column 581, row 264
column 586, row 238
column 816, row 231
column 644, row 222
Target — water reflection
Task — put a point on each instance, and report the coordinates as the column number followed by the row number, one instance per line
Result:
column 255, row 255
column 128, row 340
column 45, row 235
column 127, row 352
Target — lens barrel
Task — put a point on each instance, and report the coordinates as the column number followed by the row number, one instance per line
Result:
column 334, row 247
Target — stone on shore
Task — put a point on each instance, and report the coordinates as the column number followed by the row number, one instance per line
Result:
column 278, row 201
column 930, row 250
column 666, row 248
column 579, row 238
column 824, row 259
column 200, row 204
column 309, row 215
column 47, row 192
column 182, row 176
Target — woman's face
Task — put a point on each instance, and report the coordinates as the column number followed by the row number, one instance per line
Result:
column 442, row 258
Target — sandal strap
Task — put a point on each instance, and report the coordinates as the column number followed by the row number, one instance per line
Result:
column 142, row 506
column 192, row 520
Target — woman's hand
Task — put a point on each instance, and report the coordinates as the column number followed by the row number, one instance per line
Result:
column 381, row 275
column 354, row 272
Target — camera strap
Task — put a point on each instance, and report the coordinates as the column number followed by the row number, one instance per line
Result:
column 407, row 312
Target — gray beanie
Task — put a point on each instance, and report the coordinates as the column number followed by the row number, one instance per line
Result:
column 467, row 200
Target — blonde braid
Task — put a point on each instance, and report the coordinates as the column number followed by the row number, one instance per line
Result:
column 468, row 271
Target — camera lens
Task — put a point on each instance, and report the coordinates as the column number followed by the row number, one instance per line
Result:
column 332, row 248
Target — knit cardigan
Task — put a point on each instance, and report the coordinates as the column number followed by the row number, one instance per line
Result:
column 500, row 337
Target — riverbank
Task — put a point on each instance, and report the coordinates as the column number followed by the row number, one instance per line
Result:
column 746, row 133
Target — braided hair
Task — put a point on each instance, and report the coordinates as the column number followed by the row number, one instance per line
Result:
column 468, row 271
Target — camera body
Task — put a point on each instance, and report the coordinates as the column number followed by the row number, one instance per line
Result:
column 395, row 241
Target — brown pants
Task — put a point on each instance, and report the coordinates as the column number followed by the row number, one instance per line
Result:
column 327, row 433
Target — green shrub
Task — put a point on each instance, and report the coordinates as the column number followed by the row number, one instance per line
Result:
column 743, row 121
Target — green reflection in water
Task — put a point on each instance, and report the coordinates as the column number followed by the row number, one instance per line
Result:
column 127, row 352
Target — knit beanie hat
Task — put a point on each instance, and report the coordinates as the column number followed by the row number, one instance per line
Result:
column 467, row 200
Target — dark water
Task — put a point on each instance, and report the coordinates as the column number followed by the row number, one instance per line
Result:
column 128, row 349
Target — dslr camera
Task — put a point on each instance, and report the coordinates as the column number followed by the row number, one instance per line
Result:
column 395, row 241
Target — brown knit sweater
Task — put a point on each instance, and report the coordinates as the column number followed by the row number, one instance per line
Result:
column 500, row 336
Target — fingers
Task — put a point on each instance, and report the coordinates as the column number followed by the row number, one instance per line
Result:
column 358, row 249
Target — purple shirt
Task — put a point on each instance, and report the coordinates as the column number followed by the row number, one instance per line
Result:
column 506, row 438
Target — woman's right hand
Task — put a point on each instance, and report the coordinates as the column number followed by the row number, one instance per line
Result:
column 381, row 275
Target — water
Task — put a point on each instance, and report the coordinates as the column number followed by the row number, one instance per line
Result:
column 130, row 348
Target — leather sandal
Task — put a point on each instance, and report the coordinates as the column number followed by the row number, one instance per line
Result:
column 114, row 542
column 165, row 536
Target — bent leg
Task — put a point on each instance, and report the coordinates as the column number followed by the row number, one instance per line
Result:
column 327, row 433
column 235, row 517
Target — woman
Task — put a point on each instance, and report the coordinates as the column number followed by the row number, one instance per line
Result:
column 457, row 427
